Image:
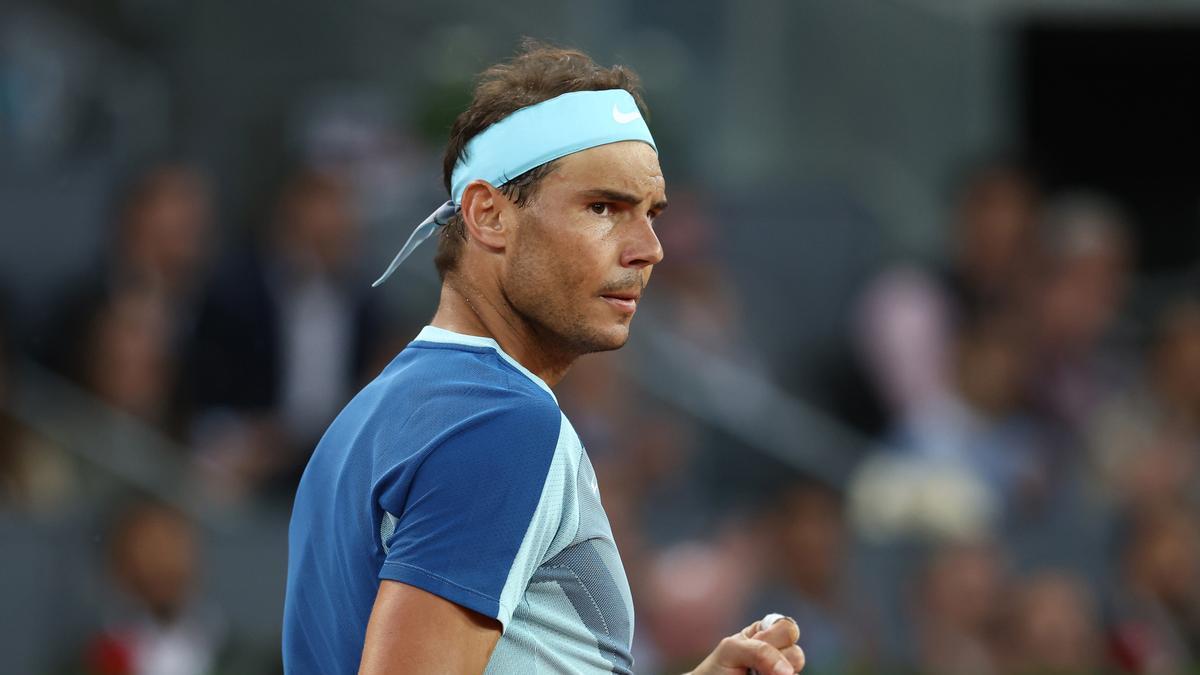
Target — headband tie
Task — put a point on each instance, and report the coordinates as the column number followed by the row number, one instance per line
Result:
column 529, row 138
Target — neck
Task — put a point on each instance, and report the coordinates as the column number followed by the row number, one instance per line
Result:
column 465, row 308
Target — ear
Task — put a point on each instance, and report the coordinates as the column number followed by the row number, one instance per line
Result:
column 484, row 211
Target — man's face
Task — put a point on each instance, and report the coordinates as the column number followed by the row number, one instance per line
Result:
column 584, row 247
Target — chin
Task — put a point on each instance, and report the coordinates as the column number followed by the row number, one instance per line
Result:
column 619, row 339
column 604, row 339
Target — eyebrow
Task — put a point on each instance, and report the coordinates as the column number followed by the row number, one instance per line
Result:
column 622, row 198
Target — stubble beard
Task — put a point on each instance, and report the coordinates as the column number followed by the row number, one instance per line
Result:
column 534, row 292
column 558, row 328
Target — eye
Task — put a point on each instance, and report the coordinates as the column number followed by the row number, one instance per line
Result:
column 600, row 208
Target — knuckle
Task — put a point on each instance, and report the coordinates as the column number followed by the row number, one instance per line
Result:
column 765, row 653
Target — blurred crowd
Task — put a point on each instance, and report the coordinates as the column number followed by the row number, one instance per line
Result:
column 235, row 361
column 1023, row 405
column 1025, row 505
column 1023, row 501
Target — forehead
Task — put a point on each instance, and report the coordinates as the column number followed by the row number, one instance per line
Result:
column 630, row 166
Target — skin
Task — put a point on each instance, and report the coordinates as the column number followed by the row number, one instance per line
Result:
column 549, row 281
column 413, row 631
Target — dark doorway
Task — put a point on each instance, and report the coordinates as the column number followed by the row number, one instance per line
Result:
column 1116, row 107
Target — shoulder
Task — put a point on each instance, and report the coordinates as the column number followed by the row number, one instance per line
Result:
column 455, row 438
column 435, row 394
column 510, row 421
column 475, row 377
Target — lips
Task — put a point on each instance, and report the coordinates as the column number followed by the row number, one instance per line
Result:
column 624, row 301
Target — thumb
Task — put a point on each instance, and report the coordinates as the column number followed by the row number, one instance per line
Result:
column 781, row 634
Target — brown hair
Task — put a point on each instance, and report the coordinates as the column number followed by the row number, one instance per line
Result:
column 537, row 73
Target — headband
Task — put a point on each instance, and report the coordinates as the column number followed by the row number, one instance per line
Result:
column 529, row 138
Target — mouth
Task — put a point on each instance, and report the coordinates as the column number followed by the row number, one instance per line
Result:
column 625, row 301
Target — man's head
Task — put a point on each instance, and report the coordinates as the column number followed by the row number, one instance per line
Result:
column 166, row 223
column 154, row 555
column 566, row 247
column 315, row 222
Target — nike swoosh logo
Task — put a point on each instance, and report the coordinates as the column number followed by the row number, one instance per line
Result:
column 624, row 117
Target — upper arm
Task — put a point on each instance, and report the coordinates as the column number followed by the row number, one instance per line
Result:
column 414, row 631
column 480, row 512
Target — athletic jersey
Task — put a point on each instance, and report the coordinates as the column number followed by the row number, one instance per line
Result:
column 456, row 472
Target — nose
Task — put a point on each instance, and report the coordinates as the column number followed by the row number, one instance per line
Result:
column 642, row 248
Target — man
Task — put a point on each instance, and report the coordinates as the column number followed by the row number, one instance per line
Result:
column 449, row 521
column 283, row 335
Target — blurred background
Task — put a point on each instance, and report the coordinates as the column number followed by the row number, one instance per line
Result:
column 921, row 367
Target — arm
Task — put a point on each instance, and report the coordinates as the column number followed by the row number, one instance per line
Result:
column 413, row 631
column 455, row 548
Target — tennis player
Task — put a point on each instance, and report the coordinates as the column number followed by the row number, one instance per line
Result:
column 449, row 521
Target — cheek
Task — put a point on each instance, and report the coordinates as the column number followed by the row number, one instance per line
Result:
column 565, row 261
column 560, row 280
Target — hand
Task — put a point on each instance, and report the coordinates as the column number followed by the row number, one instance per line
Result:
column 770, row 652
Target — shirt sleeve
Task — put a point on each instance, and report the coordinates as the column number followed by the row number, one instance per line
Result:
column 479, row 513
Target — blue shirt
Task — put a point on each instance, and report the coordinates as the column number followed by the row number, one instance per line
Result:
column 456, row 472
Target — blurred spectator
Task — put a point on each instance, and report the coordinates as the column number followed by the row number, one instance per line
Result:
column 1086, row 254
column 1156, row 609
column 155, row 626
column 984, row 426
column 34, row 476
column 1146, row 439
column 906, row 334
column 958, row 611
column 900, row 495
column 993, row 236
column 976, row 436
column 907, row 318
column 1053, row 627
column 694, row 294
column 165, row 232
column 160, row 245
column 807, row 579
column 283, row 335
column 694, row 596
column 127, row 358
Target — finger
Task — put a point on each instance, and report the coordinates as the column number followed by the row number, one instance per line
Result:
column 794, row 656
column 781, row 634
column 740, row 652
column 768, row 659
column 751, row 630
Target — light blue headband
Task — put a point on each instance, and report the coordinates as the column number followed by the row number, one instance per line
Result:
column 529, row 138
